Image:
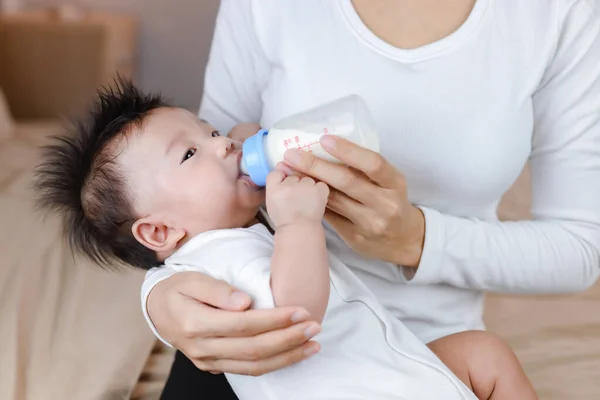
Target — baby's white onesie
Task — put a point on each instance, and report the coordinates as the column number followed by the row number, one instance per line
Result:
column 365, row 352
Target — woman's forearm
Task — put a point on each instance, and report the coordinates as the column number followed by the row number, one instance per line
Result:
column 153, row 277
column 300, row 268
column 514, row 257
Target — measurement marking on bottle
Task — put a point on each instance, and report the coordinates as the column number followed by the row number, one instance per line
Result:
column 307, row 146
column 289, row 141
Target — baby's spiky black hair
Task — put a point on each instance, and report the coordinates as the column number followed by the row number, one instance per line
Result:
column 77, row 177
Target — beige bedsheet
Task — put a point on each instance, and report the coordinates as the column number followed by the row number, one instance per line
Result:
column 71, row 331
column 67, row 330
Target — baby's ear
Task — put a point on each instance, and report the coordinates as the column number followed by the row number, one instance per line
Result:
column 156, row 235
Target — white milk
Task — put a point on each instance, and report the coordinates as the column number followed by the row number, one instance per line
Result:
column 347, row 117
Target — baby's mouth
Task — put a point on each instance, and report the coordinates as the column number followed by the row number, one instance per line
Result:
column 248, row 182
column 243, row 177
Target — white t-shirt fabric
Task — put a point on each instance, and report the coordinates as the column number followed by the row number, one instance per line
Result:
column 518, row 81
column 366, row 353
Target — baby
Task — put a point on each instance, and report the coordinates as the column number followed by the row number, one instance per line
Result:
column 145, row 183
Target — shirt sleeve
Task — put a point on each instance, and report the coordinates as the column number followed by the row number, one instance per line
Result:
column 255, row 280
column 559, row 250
column 237, row 69
column 153, row 277
column 248, row 269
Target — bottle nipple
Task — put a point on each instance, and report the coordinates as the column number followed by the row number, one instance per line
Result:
column 254, row 162
column 243, row 168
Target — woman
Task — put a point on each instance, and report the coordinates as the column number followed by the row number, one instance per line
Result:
column 465, row 93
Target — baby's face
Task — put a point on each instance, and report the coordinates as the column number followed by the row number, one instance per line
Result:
column 183, row 174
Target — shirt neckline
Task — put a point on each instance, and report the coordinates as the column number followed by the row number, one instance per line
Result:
column 202, row 238
column 467, row 30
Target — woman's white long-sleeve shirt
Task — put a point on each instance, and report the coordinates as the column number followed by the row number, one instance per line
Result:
column 518, row 81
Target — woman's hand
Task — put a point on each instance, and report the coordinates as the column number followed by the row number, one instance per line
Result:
column 368, row 204
column 205, row 319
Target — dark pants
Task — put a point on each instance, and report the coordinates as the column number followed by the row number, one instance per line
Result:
column 188, row 382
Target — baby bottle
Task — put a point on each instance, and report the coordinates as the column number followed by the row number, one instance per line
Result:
column 347, row 117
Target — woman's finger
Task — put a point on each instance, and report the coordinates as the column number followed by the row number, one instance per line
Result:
column 257, row 368
column 244, row 324
column 372, row 164
column 337, row 176
column 343, row 226
column 347, row 207
column 214, row 292
column 258, row 347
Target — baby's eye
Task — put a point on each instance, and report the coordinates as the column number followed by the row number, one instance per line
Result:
column 188, row 154
column 215, row 134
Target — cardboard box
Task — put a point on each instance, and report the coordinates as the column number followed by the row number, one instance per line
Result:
column 50, row 66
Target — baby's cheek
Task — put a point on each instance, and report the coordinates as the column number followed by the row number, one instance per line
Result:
column 220, row 200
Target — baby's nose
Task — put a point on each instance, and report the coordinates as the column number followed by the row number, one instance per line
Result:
column 226, row 147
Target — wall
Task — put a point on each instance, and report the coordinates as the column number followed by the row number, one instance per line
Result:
column 8, row 6
column 174, row 42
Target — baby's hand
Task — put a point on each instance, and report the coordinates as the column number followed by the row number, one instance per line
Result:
column 291, row 199
column 243, row 131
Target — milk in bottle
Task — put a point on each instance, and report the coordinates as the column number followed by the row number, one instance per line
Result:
column 347, row 117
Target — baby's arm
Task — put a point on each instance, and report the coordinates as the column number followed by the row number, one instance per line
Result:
column 485, row 364
column 299, row 266
column 300, row 269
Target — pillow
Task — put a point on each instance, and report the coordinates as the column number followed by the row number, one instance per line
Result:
column 6, row 123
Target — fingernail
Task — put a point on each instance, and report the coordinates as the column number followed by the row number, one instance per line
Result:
column 293, row 156
column 311, row 332
column 311, row 351
column 300, row 315
column 238, row 299
column 328, row 141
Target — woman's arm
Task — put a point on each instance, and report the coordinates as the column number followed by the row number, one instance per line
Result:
column 237, row 69
column 557, row 252
column 560, row 250
column 206, row 319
